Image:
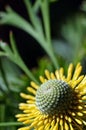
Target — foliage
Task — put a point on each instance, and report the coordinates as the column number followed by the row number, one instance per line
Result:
column 14, row 74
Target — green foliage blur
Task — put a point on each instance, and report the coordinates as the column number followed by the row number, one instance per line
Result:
column 15, row 76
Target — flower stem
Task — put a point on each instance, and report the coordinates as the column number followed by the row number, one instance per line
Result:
column 46, row 20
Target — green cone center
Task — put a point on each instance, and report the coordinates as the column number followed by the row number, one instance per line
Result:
column 54, row 96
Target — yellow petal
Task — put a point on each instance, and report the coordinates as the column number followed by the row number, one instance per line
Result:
column 34, row 85
column 69, row 73
column 52, row 76
column 57, row 74
column 47, row 73
column 33, row 91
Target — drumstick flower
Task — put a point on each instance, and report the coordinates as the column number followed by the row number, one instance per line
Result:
column 58, row 103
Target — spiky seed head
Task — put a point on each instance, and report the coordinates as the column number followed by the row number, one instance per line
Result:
column 54, row 96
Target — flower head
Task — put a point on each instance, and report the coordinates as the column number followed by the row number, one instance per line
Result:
column 59, row 103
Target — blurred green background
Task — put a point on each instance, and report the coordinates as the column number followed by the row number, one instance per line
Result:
column 68, row 38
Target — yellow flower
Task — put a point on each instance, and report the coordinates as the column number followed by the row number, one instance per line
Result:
column 59, row 103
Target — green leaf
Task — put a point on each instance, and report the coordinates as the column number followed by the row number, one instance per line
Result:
column 5, row 124
column 14, row 19
column 83, row 6
column 5, row 47
column 2, row 53
column 63, row 49
column 36, row 5
column 12, row 74
column 2, row 112
column 16, row 58
column 46, row 19
column 13, row 44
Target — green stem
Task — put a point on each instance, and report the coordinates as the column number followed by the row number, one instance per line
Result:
column 53, row 58
column 4, row 124
column 36, row 5
column 49, row 50
column 46, row 19
column 35, row 20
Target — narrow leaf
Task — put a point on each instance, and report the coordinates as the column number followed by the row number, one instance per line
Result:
column 13, row 44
